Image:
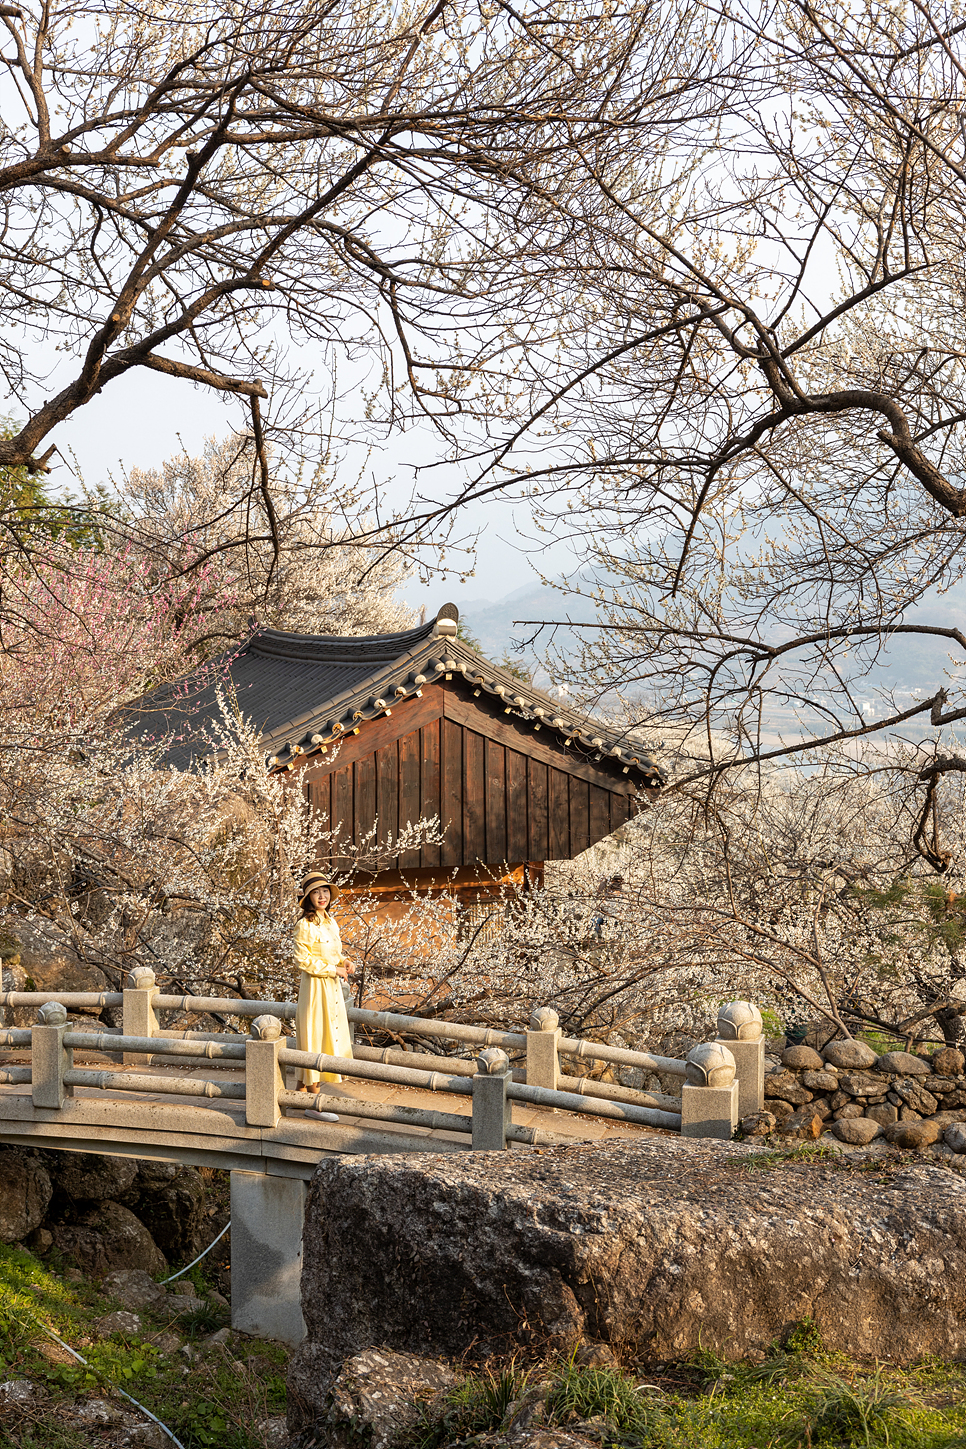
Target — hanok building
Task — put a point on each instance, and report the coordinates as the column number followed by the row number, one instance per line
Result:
column 390, row 729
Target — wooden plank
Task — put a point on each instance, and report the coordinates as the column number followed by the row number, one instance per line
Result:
column 543, row 744
column 409, row 762
column 429, row 785
column 474, row 795
column 579, row 816
column 387, row 790
column 343, row 814
column 517, row 832
column 559, row 812
column 599, row 813
column 411, row 715
column 538, row 789
column 494, row 764
column 451, row 793
column 619, row 810
column 365, row 797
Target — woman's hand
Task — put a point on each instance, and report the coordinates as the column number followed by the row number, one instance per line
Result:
column 343, row 971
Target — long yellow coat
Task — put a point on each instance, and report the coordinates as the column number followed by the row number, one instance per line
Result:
column 321, row 1024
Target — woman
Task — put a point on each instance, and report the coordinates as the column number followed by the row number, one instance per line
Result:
column 321, row 1024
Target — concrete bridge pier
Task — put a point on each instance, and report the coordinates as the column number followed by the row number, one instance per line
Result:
column 266, row 1255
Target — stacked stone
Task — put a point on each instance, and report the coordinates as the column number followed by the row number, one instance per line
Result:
column 847, row 1089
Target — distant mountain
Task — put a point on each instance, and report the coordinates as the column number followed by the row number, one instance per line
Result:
column 909, row 665
column 495, row 623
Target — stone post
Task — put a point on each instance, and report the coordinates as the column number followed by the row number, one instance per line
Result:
column 49, row 1058
column 740, row 1030
column 543, row 1045
column 347, row 993
column 709, row 1098
column 491, row 1105
column 267, row 1214
column 138, row 1010
column 264, row 1078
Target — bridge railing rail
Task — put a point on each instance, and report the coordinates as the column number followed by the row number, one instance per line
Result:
column 723, row 1079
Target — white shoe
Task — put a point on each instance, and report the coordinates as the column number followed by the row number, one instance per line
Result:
column 320, row 1116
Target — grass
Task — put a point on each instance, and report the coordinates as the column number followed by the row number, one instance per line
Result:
column 213, row 1400
column 797, row 1396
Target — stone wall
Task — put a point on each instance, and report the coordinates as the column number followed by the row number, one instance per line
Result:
column 848, row 1092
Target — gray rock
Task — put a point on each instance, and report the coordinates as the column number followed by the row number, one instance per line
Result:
column 667, row 1242
column 16, row 1395
column 885, row 1115
column 909, row 1114
column 272, row 1433
column 955, row 1136
column 786, row 1088
column 371, row 1401
column 96, row 1412
column 173, row 1307
column 106, row 1238
column 781, row 1111
column 821, row 1081
column 801, row 1058
column 849, row 1054
column 861, row 1084
column 128, row 1325
column 946, row 1119
column 904, row 1064
column 857, row 1131
column 940, row 1086
column 916, row 1097
column 948, row 1062
column 148, row 1436
column 25, row 1193
column 132, row 1287
column 851, row 1109
column 86, row 1176
column 758, row 1124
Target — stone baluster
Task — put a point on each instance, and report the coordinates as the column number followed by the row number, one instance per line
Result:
column 347, row 994
column 49, row 1058
column 138, row 1010
column 491, row 1105
column 709, row 1098
column 264, row 1078
column 543, row 1049
column 740, row 1030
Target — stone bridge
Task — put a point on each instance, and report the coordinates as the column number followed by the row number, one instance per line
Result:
column 226, row 1100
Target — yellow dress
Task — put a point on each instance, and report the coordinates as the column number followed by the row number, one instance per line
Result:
column 321, row 1024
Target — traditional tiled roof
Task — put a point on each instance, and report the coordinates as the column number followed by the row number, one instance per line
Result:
column 303, row 691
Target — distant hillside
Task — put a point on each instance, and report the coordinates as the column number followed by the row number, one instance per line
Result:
column 910, row 665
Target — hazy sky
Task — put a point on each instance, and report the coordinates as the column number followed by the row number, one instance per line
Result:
column 142, row 418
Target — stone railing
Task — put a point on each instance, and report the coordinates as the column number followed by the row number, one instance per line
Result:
column 722, row 1079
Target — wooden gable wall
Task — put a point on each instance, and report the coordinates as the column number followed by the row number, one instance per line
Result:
column 502, row 793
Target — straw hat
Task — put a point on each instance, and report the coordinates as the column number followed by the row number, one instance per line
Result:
column 312, row 882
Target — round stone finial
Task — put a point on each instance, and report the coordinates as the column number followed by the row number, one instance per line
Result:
column 266, row 1028
column 544, row 1019
column 53, row 1013
column 739, row 1021
column 493, row 1062
column 141, row 978
column 710, row 1065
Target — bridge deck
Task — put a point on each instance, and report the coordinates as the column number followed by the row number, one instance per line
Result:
column 214, row 1133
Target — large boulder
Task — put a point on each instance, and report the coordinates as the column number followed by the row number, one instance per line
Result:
column 671, row 1245
column 25, row 1192
column 47, row 961
column 105, row 1238
column 849, row 1054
